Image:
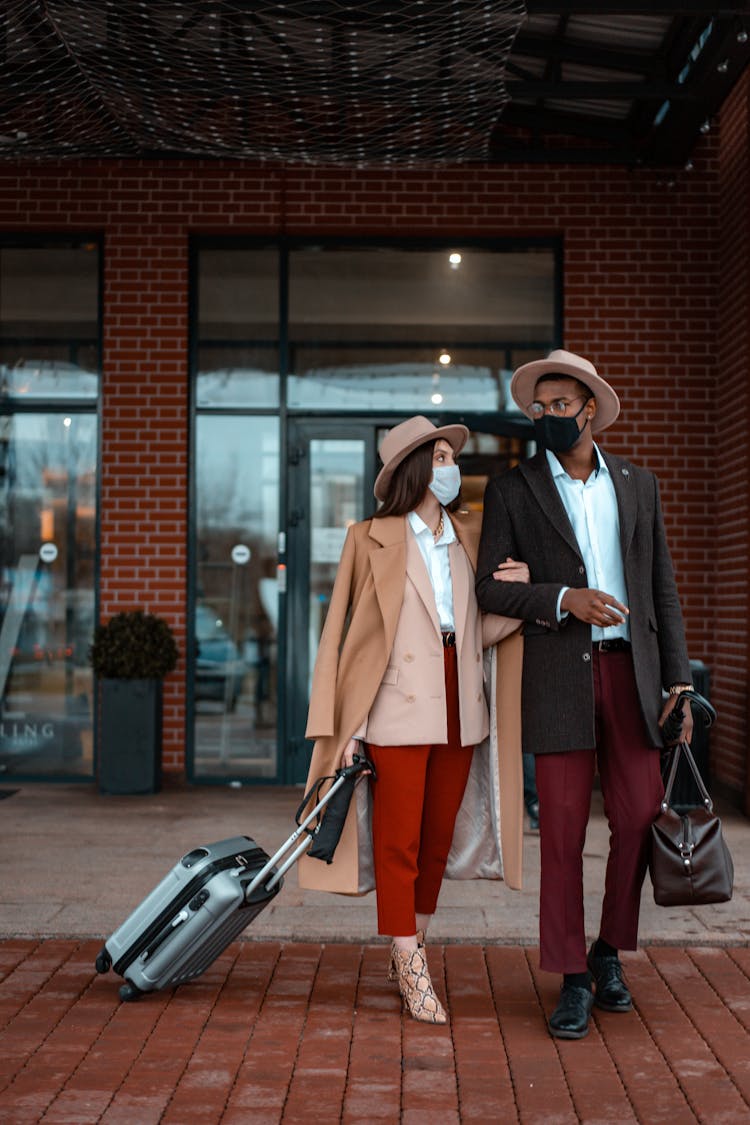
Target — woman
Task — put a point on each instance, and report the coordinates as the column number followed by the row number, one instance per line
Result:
column 408, row 681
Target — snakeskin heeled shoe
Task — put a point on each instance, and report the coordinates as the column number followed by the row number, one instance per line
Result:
column 416, row 988
column 392, row 971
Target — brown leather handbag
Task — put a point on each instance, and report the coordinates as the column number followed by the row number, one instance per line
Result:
column 690, row 863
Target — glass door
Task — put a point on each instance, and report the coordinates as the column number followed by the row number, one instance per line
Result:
column 234, row 650
column 332, row 468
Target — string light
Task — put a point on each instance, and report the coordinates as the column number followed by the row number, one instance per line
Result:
column 332, row 83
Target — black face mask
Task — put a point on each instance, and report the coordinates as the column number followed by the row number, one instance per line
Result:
column 558, row 434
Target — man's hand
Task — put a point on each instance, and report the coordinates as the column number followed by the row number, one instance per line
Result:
column 511, row 571
column 594, row 607
column 686, row 730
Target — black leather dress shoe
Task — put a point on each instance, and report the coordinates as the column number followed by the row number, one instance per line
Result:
column 611, row 991
column 570, row 1019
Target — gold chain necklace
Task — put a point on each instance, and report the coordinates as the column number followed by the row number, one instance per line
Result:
column 438, row 532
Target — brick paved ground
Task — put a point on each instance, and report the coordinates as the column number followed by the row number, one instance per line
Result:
column 307, row 1032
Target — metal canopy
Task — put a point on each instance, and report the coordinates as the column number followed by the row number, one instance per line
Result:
column 611, row 82
column 372, row 82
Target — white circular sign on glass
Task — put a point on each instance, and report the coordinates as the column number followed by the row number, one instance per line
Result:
column 240, row 554
column 48, row 552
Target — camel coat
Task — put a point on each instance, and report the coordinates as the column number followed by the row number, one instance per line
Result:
column 355, row 672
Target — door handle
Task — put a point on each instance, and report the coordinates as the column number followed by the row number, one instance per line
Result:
column 296, row 516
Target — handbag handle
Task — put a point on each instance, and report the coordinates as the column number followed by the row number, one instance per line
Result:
column 673, row 721
column 683, row 748
column 708, row 714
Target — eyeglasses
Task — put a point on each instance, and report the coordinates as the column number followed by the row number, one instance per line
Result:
column 558, row 408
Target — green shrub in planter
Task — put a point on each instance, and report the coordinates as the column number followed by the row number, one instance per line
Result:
column 134, row 645
column 130, row 656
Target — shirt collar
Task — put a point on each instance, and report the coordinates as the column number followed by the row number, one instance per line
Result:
column 558, row 471
column 419, row 527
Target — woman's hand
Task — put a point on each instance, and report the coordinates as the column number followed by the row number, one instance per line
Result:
column 512, row 571
column 353, row 746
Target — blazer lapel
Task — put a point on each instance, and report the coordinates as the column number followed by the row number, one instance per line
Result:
column 388, row 567
column 417, row 572
column 539, row 479
column 461, row 581
column 627, row 501
column 468, row 537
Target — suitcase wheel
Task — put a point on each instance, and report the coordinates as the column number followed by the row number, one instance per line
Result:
column 103, row 961
column 129, row 991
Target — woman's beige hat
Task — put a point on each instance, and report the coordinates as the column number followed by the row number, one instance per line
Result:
column 561, row 362
column 399, row 442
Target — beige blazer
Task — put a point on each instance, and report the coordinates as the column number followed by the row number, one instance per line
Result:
column 353, row 656
column 410, row 706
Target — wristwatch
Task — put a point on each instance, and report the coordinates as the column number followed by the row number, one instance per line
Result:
column 678, row 689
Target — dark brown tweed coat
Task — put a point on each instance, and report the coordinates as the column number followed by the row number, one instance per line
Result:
column 524, row 517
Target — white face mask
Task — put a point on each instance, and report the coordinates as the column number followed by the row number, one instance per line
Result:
column 446, row 483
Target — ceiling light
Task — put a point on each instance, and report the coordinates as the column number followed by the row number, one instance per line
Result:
column 706, row 126
column 723, row 66
column 436, row 398
column 742, row 36
column 444, row 358
column 455, row 260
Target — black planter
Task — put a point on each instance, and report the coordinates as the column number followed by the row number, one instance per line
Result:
column 130, row 736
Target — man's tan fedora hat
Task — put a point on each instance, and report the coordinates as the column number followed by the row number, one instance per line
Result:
column 399, row 442
column 561, row 362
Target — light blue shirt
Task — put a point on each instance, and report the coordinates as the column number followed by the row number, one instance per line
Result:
column 592, row 510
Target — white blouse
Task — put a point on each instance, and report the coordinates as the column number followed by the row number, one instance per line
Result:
column 435, row 555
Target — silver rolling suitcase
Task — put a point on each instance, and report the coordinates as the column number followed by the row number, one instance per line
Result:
column 214, row 892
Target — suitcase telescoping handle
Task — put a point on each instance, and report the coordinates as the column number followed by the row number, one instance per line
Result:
column 342, row 777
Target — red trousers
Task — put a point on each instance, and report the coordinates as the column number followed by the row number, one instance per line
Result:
column 414, row 805
column 629, row 769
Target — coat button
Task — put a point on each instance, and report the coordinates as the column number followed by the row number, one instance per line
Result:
column 581, row 569
column 408, row 657
column 411, row 699
column 586, row 656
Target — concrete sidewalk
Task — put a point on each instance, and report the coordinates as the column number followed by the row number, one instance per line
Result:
column 75, row 864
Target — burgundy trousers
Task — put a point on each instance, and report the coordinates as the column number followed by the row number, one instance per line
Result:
column 629, row 769
column 415, row 801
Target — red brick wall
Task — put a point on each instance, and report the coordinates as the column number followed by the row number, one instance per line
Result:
column 641, row 272
column 144, row 438
column 729, row 572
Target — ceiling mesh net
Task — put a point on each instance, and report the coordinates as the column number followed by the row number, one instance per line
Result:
column 369, row 82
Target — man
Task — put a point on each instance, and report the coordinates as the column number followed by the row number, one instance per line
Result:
column 603, row 634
